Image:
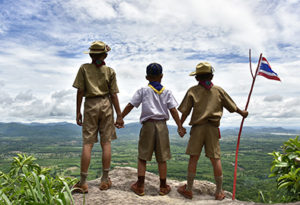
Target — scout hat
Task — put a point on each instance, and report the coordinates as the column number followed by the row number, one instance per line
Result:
column 98, row 47
column 203, row 68
column 154, row 69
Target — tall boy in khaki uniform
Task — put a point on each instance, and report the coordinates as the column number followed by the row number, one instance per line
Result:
column 207, row 102
column 97, row 83
column 154, row 136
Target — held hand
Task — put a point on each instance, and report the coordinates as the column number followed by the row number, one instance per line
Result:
column 119, row 122
column 244, row 113
column 118, row 125
column 79, row 119
column 181, row 131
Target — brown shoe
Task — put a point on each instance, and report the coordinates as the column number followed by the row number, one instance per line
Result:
column 138, row 190
column 164, row 190
column 220, row 196
column 187, row 194
column 104, row 185
column 77, row 188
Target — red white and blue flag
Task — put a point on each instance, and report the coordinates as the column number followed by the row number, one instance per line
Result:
column 266, row 71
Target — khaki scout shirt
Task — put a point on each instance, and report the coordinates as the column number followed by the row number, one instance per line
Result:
column 207, row 104
column 96, row 81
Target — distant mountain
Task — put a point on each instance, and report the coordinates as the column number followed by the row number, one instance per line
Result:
column 39, row 129
column 131, row 130
column 259, row 130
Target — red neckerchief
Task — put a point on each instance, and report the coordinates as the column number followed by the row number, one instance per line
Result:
column 206, row 83
column 98, row 63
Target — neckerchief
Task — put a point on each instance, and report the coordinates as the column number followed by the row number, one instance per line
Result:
column 207, row 84
column 98, row 63
column 156, row 86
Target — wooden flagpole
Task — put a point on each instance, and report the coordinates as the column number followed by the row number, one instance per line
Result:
column 242, row 123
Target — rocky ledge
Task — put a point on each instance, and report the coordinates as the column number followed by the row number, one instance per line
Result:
column 120, row 193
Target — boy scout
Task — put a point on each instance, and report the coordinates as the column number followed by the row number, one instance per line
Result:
column 207, row 101
column 97, row 83
column 154, row 136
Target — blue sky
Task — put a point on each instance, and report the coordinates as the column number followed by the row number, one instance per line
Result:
column 43, row 43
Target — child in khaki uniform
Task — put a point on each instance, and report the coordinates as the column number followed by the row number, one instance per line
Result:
column 207, row 102
column 97, row 83
column 154, row 136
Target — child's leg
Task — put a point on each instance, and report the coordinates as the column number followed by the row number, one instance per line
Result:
column 217, row 173
column 163, row 188
column 141, row 167
column 138, row 187
column 162, row 168
column 141, row 172
column 192, row 167
column 85, row 162
column 106, row 158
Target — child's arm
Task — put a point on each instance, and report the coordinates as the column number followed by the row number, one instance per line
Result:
column 115, row 102
column 127, row 109
column 79, row 97
column 183, row 118
column 243, row 113
column 174, row 113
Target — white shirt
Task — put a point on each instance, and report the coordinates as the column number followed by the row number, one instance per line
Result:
column 154, row 106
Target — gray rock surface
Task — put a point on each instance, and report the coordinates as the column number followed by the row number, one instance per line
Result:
column 120, row 193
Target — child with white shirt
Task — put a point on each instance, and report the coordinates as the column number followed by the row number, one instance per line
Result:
column 154, row 135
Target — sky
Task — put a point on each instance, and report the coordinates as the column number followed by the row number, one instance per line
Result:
column 42, row 45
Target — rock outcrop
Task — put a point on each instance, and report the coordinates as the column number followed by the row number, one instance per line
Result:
column 120, row 193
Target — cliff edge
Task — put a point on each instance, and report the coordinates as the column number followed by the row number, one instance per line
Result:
column 120, row 193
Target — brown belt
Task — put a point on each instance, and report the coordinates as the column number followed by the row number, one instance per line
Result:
column 152, row 120
column 98, row 96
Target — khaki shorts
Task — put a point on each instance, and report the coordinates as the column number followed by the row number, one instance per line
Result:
column 154, row 136
column 205, row 135
column 98, row 117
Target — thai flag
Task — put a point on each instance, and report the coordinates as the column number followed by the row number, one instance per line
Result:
column 266, row 71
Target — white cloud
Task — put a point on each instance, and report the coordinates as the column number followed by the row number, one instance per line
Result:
column 26, row 107
column 24, row 96
column 272, row 98
column 90, row 10
column 43, row 44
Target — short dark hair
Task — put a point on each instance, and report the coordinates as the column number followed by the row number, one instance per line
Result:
column 206, row 76
column 154, row 69
column 97, row 55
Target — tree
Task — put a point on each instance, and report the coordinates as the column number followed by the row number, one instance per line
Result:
column 286, row 169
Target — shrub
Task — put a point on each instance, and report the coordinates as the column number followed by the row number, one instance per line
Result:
column 286, row 169
column 28, row 183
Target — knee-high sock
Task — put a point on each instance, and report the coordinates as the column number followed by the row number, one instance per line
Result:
column 190, row 181
column 141, row 181
column 163, row 183
column 83, row 176
column 105, row 175
column 219, row 183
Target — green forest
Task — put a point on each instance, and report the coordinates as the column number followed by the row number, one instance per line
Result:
column 58, row 146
